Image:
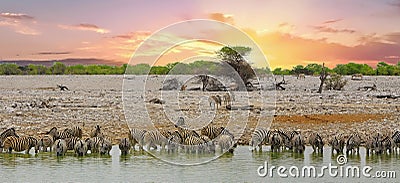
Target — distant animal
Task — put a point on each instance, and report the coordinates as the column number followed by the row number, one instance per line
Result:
column 125, row 146
column 62, row 87
column 60, row 147
column 356, row 77
column 20, row 144
column 227, row 99
column 183, row 87
column 214, row 101
column 301, row 76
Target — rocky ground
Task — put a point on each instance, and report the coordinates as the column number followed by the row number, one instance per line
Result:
column 34, row 104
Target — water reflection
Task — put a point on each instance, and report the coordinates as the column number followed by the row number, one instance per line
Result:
column 142, row 167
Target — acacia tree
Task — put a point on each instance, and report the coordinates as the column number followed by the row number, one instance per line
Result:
column 234, row 56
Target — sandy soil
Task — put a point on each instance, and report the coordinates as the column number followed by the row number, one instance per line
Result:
column 33, row 104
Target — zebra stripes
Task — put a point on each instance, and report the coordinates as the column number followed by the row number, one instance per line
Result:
column 125, row 146
column 337, row 143
column 7, row 133
column 136, row 136
column 71, row 142
column 316, row 142
column 76, row 131
column 93, row 144
column 60, row 147
column 45, row 142
column 353, row 144
column 260, row 137
column 152, row 139
column 20, row 144
column 80, row 148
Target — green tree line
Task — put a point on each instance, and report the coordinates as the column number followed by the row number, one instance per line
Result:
column 382, row 68
column 197, row 67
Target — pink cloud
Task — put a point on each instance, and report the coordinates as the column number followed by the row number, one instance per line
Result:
column 21, row 23
column 85, row 27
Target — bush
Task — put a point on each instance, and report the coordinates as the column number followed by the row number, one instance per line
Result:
column 335, row 82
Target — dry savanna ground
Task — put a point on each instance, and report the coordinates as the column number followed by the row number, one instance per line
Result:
column 34, row 104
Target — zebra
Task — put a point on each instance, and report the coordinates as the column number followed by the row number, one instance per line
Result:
column 316, row 142
column 227, row 99
column 152, row 139
column 174, row 141
column 276, row 141
column 396, row 139
column 353, row 143
column 286, row 138
column 60, row 147
column 20, row 144
column 80, row 148
column 337, row 143
column 298, row 143
column 215, row 101
column 93, row 144
column 59, row 135
column 186, row 132
column 210, row 143
column 194, row 144
column 71, row 142
column 211, row 132
column 369, row 145
column 125, row 146
column 387, row 144
column 7, row 133
column 45, row 142
column 226, row 143
column 301, row 76
column 136, row 136
column 75, row 131
column 105, row 147
column 96, row 132
column 260, row 137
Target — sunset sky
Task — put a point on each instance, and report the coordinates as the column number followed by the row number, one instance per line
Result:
column 288, row 32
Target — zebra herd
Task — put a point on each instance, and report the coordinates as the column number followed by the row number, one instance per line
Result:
column 58, row 141
column 206, row 140
column 182, row 139
column 281, row 140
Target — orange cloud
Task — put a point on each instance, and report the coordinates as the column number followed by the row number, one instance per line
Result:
column 85, row 27
column 286, row 50
column 222, row 18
